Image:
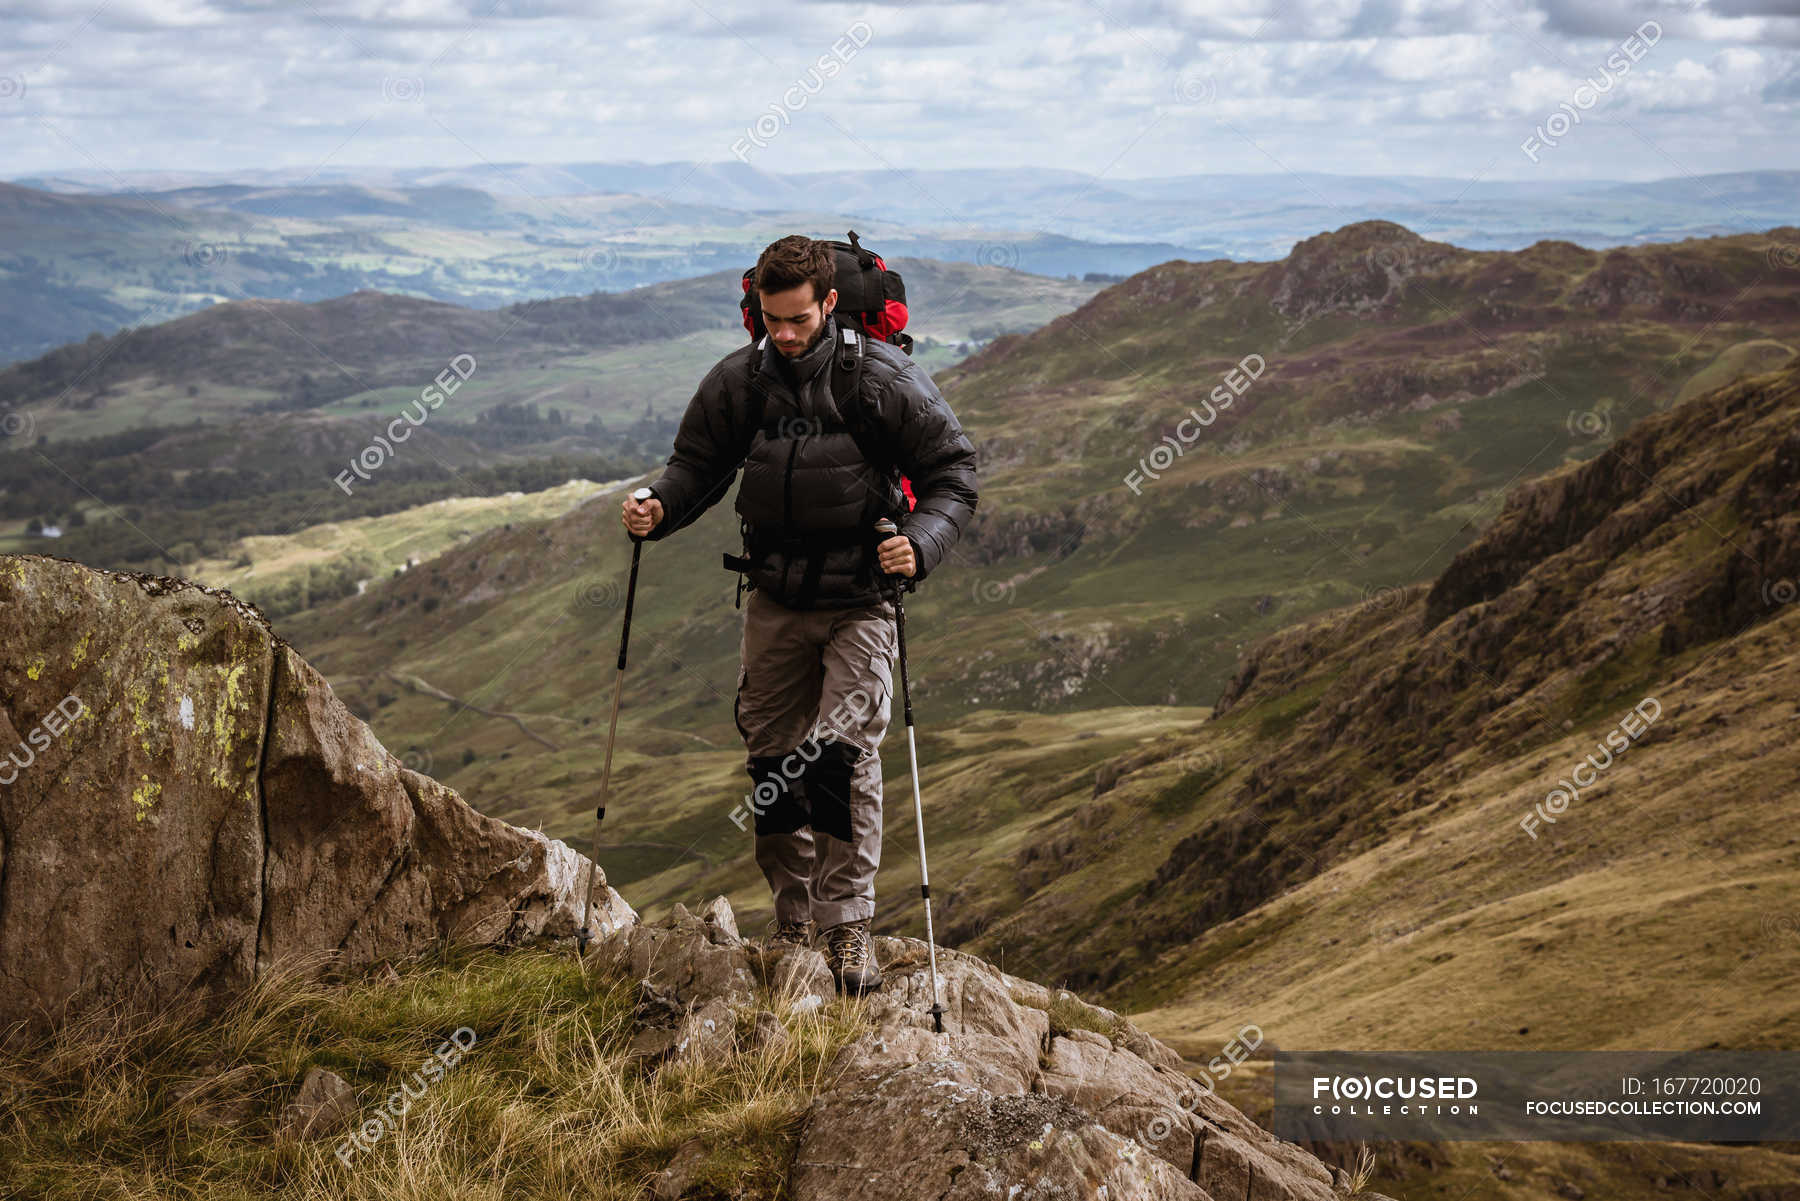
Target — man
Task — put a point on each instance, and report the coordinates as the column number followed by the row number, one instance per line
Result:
column 818, row 646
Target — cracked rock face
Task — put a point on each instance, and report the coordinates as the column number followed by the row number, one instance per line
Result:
column 998, row 1106
column 1002, row 1106
column 186, row 804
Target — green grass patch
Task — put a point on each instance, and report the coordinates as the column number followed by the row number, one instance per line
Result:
column 1171, row 980
column 1185, row 793
column 1278, row 715
column 1602, row 694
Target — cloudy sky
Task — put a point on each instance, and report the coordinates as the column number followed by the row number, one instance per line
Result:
column 1121, row 88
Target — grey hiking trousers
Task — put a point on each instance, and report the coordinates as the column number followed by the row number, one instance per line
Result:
column 813, row 696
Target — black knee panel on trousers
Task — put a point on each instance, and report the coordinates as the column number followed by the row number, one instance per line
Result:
column 774, row 801
column 828, row 788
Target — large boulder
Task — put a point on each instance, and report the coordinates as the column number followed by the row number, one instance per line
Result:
column 186, row 805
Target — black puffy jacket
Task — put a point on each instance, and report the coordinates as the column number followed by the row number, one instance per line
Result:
column 810, row 485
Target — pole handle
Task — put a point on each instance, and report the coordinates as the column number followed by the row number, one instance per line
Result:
column 640, row 495
column 886, row 528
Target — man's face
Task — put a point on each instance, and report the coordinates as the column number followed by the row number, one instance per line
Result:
column 793, row 319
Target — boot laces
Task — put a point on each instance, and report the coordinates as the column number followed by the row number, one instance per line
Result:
column 850, row 944
column 797, row 933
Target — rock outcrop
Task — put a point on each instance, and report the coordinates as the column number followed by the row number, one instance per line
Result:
column 1355, row 269
column 1005, row 1103
column 184, row 804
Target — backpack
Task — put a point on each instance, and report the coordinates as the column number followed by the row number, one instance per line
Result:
column 872, row 299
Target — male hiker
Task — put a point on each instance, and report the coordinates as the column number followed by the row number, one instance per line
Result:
column 818, row 646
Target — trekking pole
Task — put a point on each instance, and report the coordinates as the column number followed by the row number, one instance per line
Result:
column 612, row 732
column 887, row 529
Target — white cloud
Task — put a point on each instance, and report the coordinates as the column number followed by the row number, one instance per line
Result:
column 1437, row 86
column 1420, row 59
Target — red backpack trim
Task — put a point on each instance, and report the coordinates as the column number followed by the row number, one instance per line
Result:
column 871, row 295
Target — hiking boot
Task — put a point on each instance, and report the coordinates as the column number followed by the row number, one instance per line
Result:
column 788, row 934
column 852, row 957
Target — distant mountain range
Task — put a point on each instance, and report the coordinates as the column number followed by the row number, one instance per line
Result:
column 72, row 265
column 79, row 255
column 240, row 357
column 1218, row 215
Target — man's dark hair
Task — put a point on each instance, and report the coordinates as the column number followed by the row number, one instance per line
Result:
column 794, row 260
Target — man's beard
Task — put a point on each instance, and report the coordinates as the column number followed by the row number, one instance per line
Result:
column 812, row 341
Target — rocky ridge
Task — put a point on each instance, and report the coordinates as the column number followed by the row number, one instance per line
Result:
column 1029, row 1094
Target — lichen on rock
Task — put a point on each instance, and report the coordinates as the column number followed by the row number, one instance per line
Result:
column 238, row 814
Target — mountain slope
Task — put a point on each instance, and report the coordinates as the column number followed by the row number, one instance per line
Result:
column 1664, row 568
column 166, row 442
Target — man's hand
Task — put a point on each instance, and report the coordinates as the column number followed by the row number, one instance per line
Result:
column 896, row 556
column 641, row 518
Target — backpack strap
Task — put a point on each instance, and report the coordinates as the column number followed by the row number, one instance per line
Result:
column 846, row 393
column 758, row 394
column 756, row 406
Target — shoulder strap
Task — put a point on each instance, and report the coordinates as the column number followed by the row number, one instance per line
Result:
column 758, row 395
column 846, row 392
column 755, row 405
